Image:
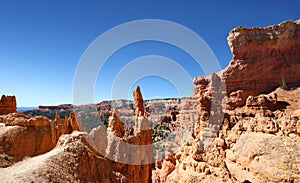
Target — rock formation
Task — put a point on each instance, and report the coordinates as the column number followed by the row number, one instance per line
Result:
column 98, row 156
column 251, row 133
column 263, row 102
column 131, row 153
column 115, row 124
column 76, row 158
column 8, row 104
column 259, row 157
column 210, row 106
column 262, row 58
column 66, row 126
column 247, row 147
column 138, row 102
column 72, row 160
column 240, row 141
column 32, row 135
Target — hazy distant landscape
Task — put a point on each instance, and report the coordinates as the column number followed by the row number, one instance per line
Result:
column 24, row 109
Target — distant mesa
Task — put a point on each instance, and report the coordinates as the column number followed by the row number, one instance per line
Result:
column 58, row 107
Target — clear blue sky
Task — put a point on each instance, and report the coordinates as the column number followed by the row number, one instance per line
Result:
column 42, row 41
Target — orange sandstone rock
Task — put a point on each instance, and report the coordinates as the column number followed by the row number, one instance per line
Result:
column 8, row 104
column 262, row 58
column 32, row 135
column 138, row 102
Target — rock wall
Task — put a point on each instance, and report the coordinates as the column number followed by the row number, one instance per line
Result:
column 262, row 59
column 255, row 143
column 240, row 133
column 8, row 104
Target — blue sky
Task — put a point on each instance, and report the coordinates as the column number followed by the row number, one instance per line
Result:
column 41, row 42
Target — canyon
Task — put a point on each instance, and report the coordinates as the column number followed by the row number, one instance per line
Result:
column 241, row 124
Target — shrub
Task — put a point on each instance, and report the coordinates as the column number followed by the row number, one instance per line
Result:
column 283, row 84
column 6, row 157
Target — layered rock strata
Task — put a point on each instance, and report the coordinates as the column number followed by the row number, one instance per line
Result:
column 255, row 136
column 263, row 58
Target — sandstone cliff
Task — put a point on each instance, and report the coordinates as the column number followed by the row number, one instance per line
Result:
column 258, row 142
column 262, row 59
column 242, row 130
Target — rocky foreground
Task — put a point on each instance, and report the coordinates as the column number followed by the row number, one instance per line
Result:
column 32, row 151
column 240, row 125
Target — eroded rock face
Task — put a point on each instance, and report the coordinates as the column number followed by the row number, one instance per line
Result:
column 262, row 58
column 76, row 158
column 8, row 104
column 98, row 156
column 26, row 135
column 249, row 148
column 73, row 160
column 131, row 153
column 262, row 102
column 210, row 96
column 258, row 132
